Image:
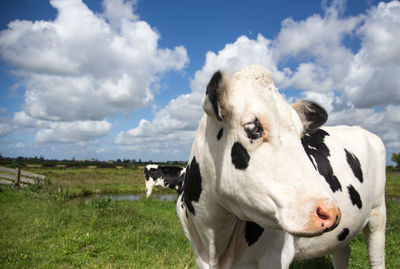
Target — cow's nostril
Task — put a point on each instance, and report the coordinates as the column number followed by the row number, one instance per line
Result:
column 322, row 214
column 326, row 216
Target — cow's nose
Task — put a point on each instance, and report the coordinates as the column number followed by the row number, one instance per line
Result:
column 327, row 216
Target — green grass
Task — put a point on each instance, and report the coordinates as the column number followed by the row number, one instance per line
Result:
column 40, row 230
column 393, row 184
column 45, row 228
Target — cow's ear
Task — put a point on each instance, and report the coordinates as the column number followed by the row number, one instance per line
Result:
column 215, row 98
column 312, row 115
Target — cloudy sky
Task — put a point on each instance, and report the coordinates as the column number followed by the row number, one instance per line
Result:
column 124, row 79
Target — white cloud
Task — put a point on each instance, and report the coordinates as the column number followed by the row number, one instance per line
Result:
column 84, row 67
column 373, row 75
column 75, row 131
column 80, row 67
column 384, row 123
column 328, row 99
column 101, row 150
column 66, row 132
column 4, row 129
column 170, row 133
column 172, row 130
column 366, row 78
column 118, row 11
column 316, row 44
column 22, row 120
column 243, row 51
column 349, row 84
column 357, row 88
column 19, row 145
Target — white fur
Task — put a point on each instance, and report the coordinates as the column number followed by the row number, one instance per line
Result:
column 280, row 188
column 151, row 166
column 151, row 183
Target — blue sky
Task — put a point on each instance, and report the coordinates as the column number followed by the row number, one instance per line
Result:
column 124, row 79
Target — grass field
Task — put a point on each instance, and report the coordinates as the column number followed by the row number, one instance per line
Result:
column 53, row 228
column 393, row 184
column 38, row 230
column 84, row 181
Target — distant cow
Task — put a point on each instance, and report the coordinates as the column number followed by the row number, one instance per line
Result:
column 266, row 185
column 163, row 177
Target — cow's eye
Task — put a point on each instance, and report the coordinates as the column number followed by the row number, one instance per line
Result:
column 254, row 129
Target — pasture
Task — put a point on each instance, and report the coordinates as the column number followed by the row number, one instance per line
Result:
column 61, row 225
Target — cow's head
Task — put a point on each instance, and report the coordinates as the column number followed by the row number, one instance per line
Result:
column 257, row 165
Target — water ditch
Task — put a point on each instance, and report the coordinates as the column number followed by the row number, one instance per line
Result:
column 135, row 197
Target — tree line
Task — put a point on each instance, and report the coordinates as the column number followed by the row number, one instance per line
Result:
column 396, row 159
column 22, row 161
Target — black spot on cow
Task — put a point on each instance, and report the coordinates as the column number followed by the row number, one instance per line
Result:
column 213, row 92
column 355, row 165
column 183, row 202
column 316, row 149
column 240, row 156
column 220, row 133
column 252, row 232
column 192, row 185
column 354, row 196
column 343, row 234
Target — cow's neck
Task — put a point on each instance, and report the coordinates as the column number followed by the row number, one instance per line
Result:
column 214, row 224
column 223, row 237
column 215, row 227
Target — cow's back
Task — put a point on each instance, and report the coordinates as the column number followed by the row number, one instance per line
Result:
column 368, row 148
column 357, row 160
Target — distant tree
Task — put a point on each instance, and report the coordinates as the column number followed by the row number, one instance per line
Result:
column 396, row 159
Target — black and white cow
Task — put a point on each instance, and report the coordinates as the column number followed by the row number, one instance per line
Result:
column 266, row 185
column 163, row 177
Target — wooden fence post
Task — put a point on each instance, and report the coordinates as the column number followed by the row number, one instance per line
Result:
column 17, row 176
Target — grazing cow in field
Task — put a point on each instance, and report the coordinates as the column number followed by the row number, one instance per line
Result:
column 163, row 177
column 265, row 185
